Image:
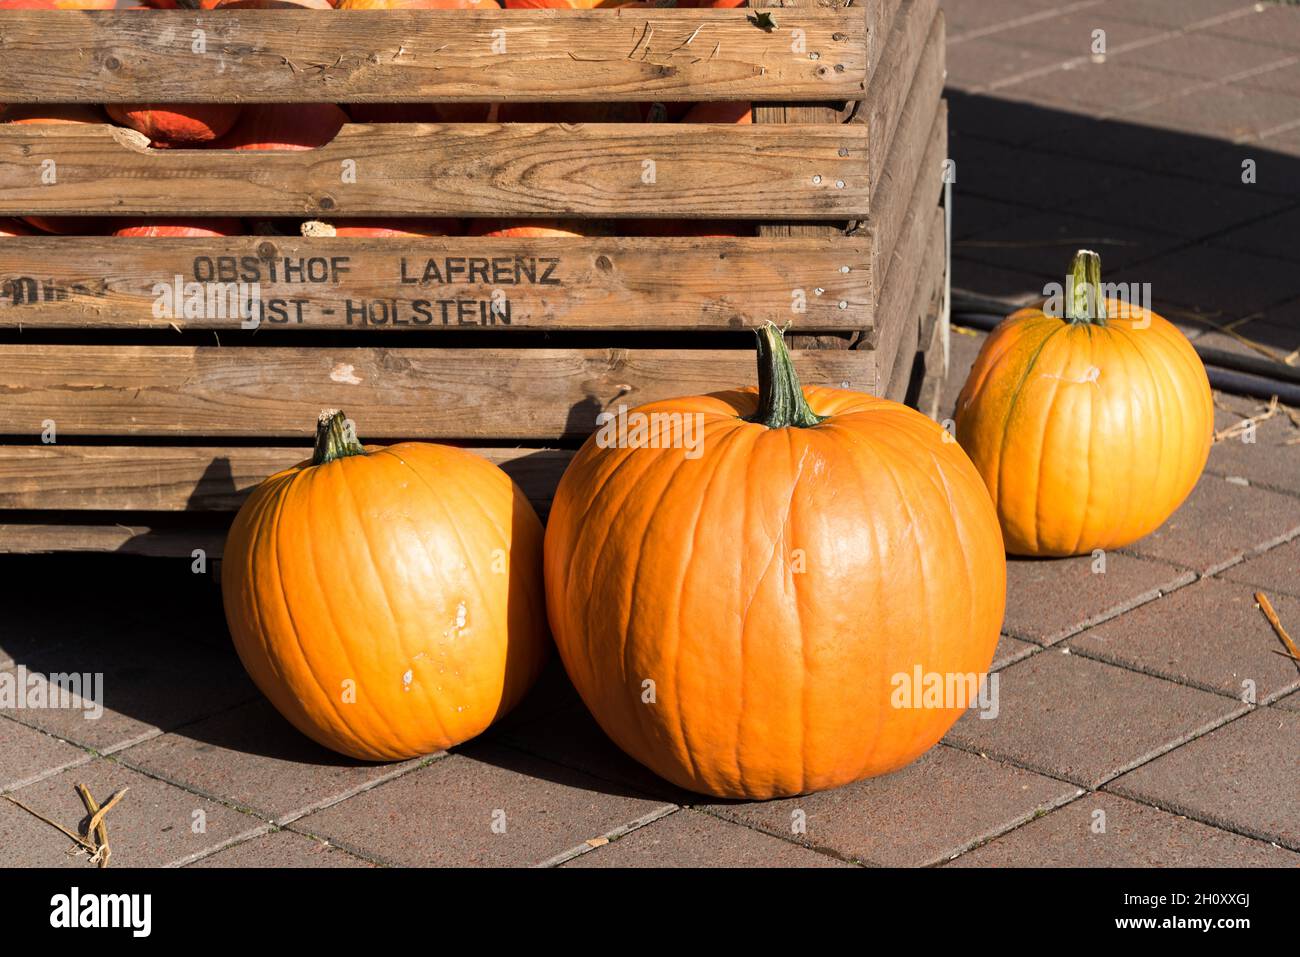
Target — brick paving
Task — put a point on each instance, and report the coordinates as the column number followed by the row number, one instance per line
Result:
column 1125, row 733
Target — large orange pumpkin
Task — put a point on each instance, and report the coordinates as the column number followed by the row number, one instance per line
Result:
column 738, row 619
column 1090, row 426
column 388, row 601
column 177, row 124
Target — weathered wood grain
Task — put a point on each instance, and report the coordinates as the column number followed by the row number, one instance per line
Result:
column 192, row 479
column 882, row 107
column 926, row 279
column 651, row 170
column 914, row 137
column 829, row 115
column 441, row 283
column 900, row 272
column 418, row 55
column 270, row 392
column 38, row 538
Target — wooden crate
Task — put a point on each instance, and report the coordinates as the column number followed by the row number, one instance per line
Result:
column 164, row 422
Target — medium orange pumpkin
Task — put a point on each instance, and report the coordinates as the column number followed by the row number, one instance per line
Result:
column 388, row 601
column 736, row 620
column 1091, row 426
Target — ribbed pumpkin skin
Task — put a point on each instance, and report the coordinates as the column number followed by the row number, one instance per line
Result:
column 1077, row 460
column 360, row 570
column 771, row 681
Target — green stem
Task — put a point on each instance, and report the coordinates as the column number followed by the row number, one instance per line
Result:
column 335, row 438
column 1084, row 302
column 781, row 402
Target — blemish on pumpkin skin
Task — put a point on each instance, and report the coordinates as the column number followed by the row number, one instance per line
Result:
column 407, row 679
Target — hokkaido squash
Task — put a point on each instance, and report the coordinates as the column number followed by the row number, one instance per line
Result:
column 1089, row 426
column 737, row 617
column 177, row 124
column 275, row 126
column 180, row 228
column 388, row 601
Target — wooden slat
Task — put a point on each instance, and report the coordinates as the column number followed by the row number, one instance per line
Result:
column 654, row 170
column 400, row 284
column 896, row 289
column 415, row 55
column 521, row 394
column 41, row 538
column 882, row 108
column 900, row 349
column 191, row 479
column 918, row 126
column 823, row 115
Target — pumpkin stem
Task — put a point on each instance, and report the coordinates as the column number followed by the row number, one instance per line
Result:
column 335, row 438
column 781, row 401
column 1083, row 299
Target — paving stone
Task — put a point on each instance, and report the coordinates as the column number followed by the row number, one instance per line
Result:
column 1281, row 77
column 282, row 849
column 974, row 214
column 1274, row 236
column 443, row 814
column 1135, row 835
column 1271, row 25
column 1228, row 111
column 963, row 347
column 945, row 801
column 151, row 826
column 148, row 684
column 1048, row 599
column 976, row 63
column 1210, row 634
column 1290, row 703
column 1203, row 56
column 1028, row 178
column 572, row 738
column 1071, row 34
column 1257, row 283
column 1220, row 522
column 983, row 16
column 1086, row 87
column 26, row 754
column 1044, row 245
column 1274, row 572
column 1285, row 144
column 1086, row 721
column 1016, row 123
column 1181, row 207
column 1271, row 459
column 251, row 757
column 1009, row 651
column 1274, row 167
column 1126, row 142
column 1180, row 14
column 690, row 839
column 994, row 281
column 1241, row 776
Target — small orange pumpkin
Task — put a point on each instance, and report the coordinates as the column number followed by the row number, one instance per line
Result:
column 388, row 601
column 1089, row 427
column 737, row 620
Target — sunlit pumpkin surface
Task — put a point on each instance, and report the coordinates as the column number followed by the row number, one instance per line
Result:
column 1089, row 437
column 734, row 621
column 388, row 604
